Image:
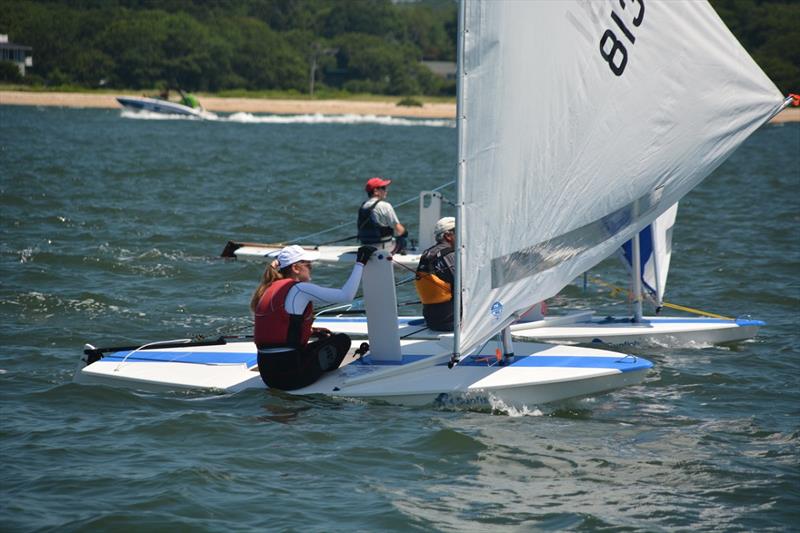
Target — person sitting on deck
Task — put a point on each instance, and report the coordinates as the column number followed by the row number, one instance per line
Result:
column 377, row 221
column 292, row 354
column 436, row 277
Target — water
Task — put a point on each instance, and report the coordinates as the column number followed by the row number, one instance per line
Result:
column 110, row 228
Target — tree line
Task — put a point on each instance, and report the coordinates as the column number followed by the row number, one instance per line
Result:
column 360, row 46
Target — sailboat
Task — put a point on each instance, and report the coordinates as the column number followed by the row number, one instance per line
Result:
column 647, row 258
column 430, row 209
column 586, row 326
column 549, row 182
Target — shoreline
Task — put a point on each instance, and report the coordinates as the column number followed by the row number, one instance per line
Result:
column 278, row 107
column 243, row 105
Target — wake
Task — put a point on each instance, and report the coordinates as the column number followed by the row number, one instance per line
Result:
column 317, row 118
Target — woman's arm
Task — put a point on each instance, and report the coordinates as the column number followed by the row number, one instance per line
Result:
column 302, row 293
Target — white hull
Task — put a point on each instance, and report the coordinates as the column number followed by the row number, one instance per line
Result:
column 583, row 328
column 327, row 254
column 546, row 374
column 155, row 105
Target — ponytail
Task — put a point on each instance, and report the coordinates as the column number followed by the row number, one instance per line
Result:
column 271, row 275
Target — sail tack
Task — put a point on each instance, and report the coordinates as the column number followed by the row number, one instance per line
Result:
column 580, row 123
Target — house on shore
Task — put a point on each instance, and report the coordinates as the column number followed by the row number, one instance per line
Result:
column 443, row 69
column 19, row 54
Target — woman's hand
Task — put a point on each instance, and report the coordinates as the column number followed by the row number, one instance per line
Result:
column 364, row 253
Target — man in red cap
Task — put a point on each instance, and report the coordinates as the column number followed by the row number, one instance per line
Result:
column 377, row 221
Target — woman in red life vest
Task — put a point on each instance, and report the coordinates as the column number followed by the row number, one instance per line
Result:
column 292, row 354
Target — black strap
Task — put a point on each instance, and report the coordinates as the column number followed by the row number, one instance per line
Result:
column 294, row 334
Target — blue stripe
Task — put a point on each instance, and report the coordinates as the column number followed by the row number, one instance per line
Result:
column 749, row 322
column 623, row 363
column 701, row 320
column 156, row 356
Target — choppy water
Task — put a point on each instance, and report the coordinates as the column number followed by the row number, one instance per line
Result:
column 110, row 228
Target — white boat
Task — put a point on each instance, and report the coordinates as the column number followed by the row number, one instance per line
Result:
column 549, row 183
column 647, row 254
column 584, row 327
column 430, row 208
column 165, row 107
column 647, row 257
column 422, row 376
column 329, row 254
column 655, row 250
column 581, row 327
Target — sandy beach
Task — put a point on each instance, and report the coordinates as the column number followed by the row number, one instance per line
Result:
column 281, row 107
column 247, row 105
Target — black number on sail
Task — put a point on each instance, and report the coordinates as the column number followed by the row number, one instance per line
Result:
column 617, row 50
column 617, row 55
column 640, row 16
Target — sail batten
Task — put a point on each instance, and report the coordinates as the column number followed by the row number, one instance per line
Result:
column 579, row 124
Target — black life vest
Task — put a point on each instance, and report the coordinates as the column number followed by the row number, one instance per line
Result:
column 369, row 231
column 434, row 282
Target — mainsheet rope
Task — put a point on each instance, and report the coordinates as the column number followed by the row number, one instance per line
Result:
column 619, row 290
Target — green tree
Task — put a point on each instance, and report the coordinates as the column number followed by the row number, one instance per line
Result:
column 263, row 57
column 9, row 72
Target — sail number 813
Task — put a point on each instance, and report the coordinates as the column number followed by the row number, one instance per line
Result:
column 613, row 49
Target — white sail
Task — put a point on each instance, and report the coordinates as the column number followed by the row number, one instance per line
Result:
column 579, row 123
column 655, row 253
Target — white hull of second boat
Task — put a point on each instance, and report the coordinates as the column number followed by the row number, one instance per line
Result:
column 546, row 374
column 662, row 331
column 327, row 254
column 165, row 107
column 584, row 328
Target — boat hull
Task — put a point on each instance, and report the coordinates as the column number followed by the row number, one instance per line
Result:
column 327, row 254
column 544, row 374
column 165, row 107
column 585, row 329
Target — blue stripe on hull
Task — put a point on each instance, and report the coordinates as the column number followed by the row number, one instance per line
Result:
column 156, row 356
column 696, row 320
column 623, row 363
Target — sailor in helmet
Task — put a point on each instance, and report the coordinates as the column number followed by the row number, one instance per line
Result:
column 291, row 353
column 436, row 276
column 378, row 224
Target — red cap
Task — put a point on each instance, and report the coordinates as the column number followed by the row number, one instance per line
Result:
column 374, row 183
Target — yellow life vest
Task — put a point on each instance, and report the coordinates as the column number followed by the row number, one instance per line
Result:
column 432, row 289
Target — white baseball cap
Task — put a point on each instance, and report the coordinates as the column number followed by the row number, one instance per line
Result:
column 443, row 225
column 294, row 253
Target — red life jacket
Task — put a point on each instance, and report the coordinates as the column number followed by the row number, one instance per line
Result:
column 274, row 326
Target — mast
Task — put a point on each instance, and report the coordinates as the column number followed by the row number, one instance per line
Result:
column 460, row 172
column 636, row 277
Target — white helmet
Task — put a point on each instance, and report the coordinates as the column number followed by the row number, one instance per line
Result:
column 443, row 225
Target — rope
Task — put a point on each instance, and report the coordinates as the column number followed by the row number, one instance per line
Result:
column 395, row 263
column 148, row 345
column 695, row 311
column 619, row 290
